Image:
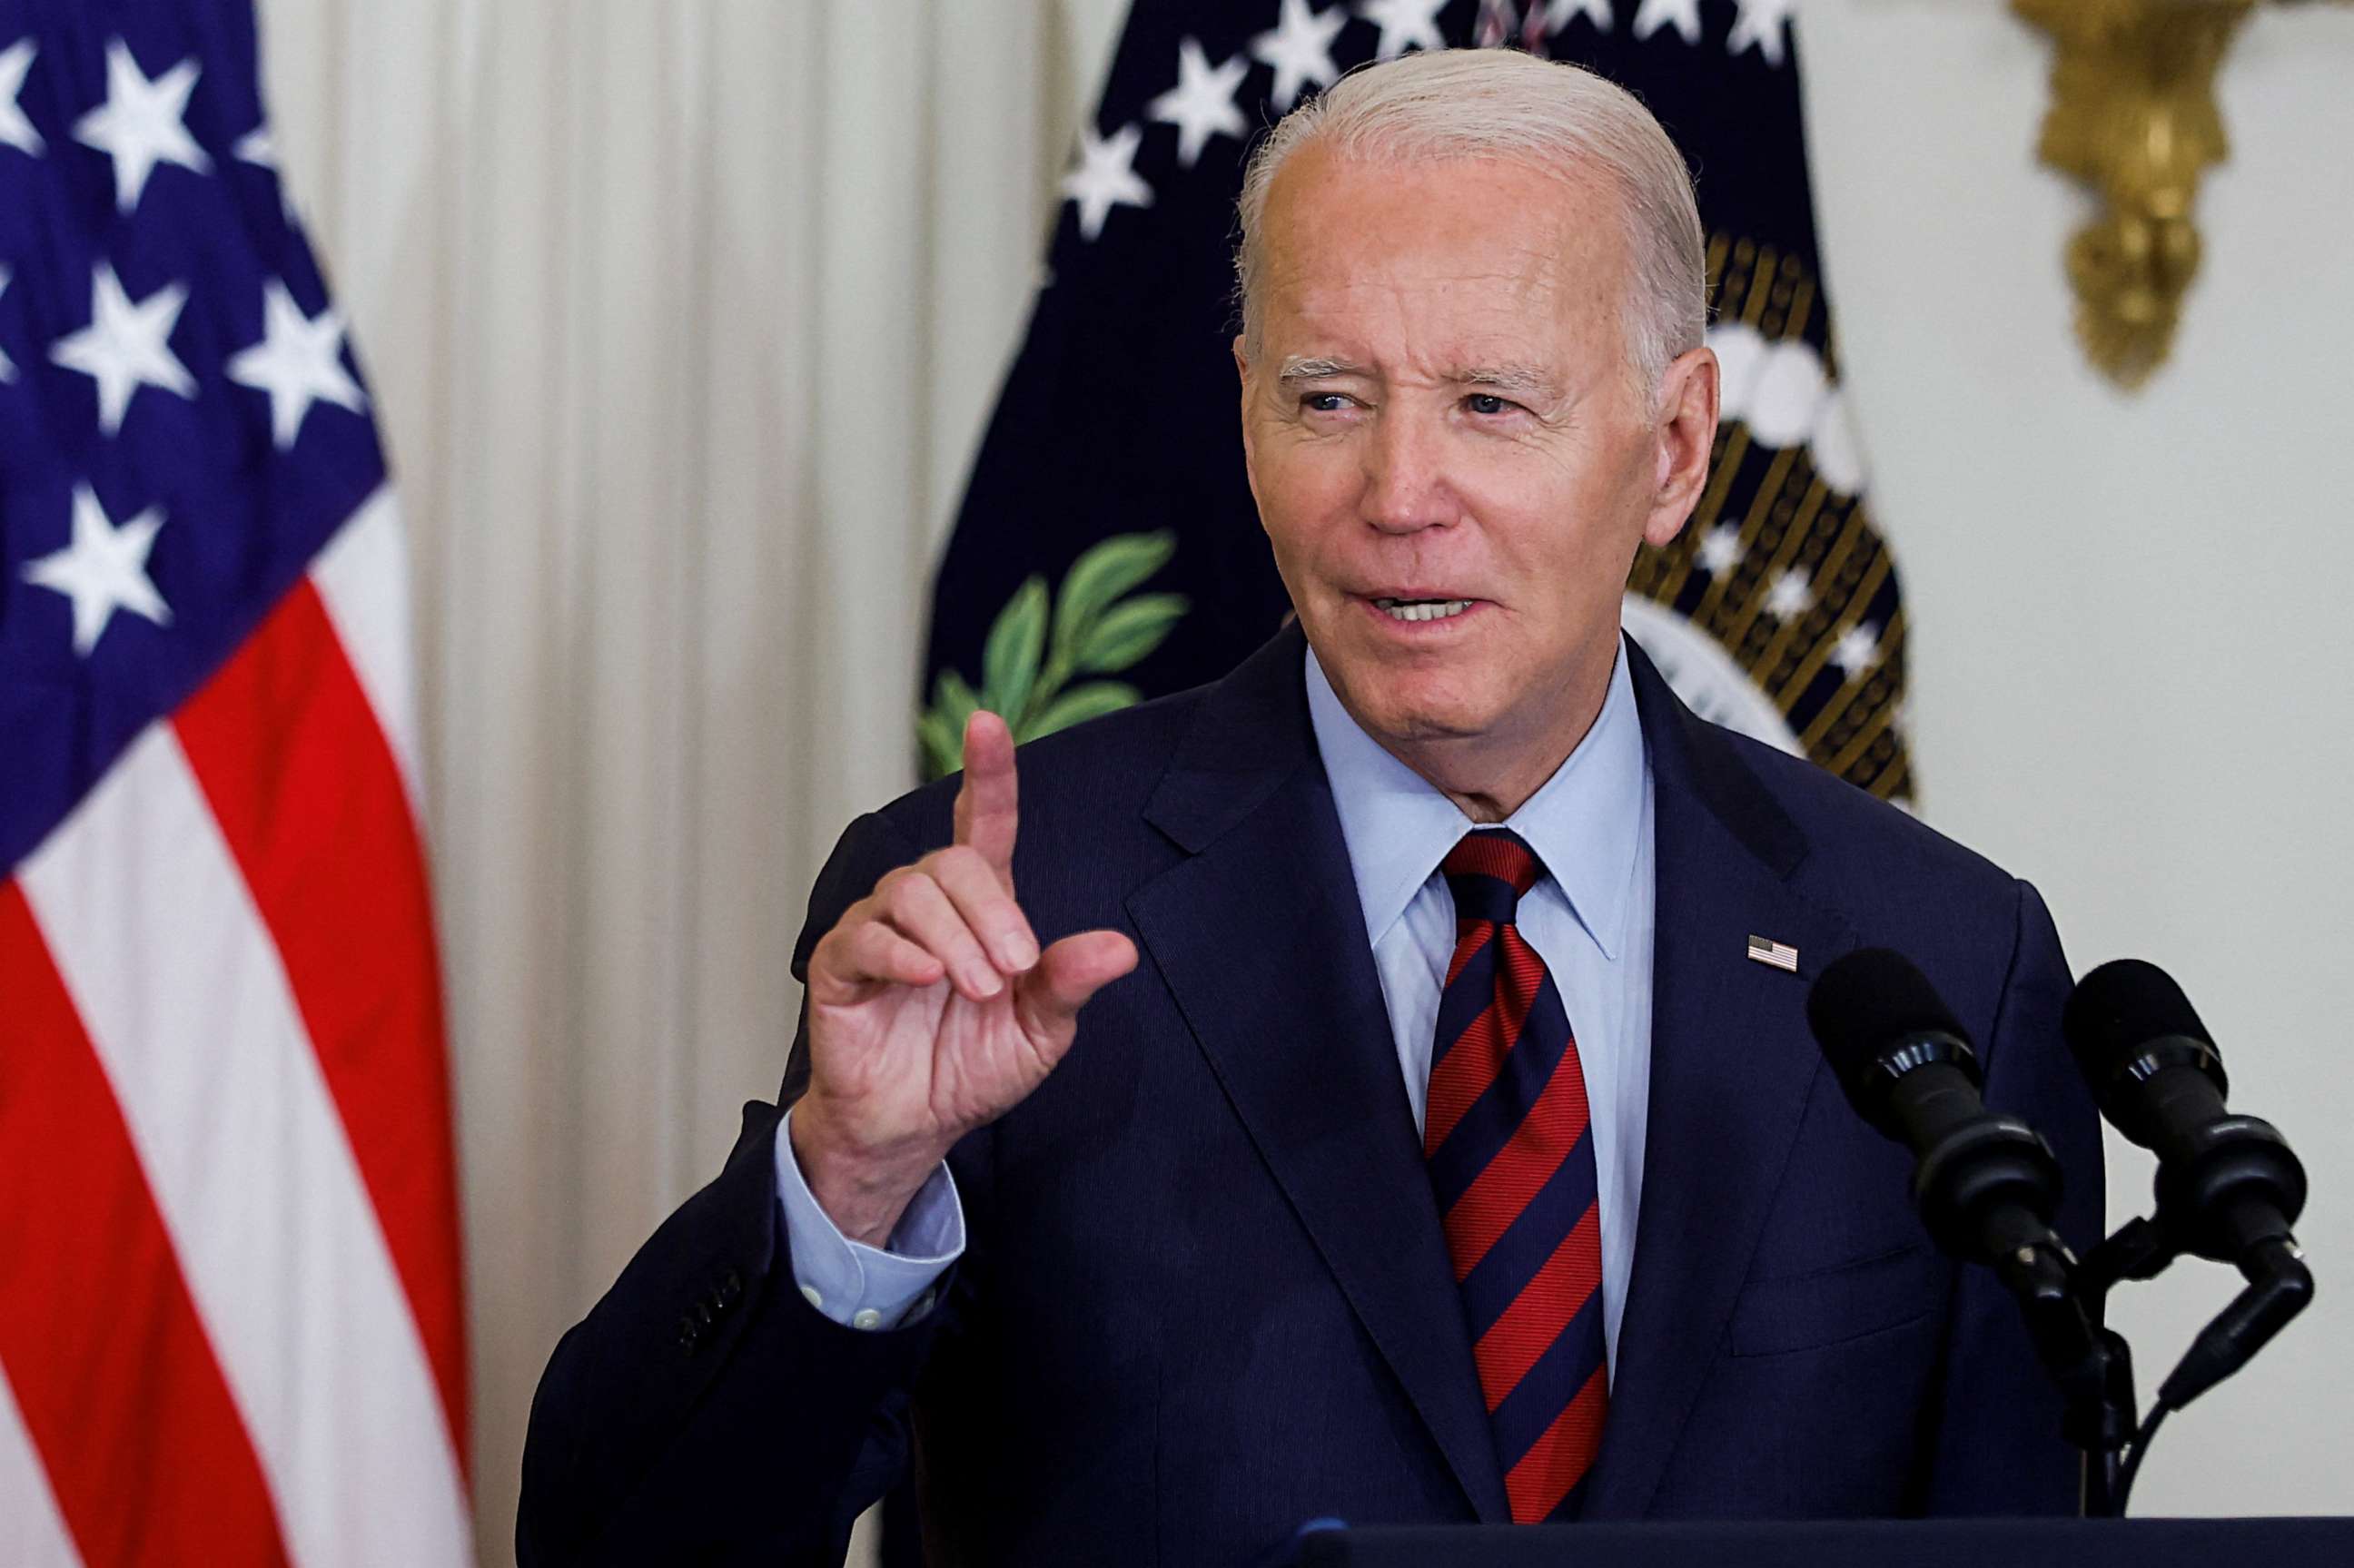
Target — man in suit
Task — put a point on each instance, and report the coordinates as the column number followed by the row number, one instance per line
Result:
column 1397, row 1128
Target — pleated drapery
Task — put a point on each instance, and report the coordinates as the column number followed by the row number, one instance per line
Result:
column 681, row 319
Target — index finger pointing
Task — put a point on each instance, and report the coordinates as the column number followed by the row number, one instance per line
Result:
column 987, row 805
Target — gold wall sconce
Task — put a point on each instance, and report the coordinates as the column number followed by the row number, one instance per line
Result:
column 2133, row 116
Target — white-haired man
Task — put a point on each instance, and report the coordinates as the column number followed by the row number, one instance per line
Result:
column 1395, row 1127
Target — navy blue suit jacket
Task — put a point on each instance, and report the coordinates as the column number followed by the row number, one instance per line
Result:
column 1205, row 1296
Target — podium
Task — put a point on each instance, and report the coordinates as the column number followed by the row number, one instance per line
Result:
column 1856, row 1543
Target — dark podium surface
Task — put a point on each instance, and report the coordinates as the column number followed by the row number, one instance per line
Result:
column 1873, row 1543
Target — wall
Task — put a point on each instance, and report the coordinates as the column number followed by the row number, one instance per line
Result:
column 2130, row 639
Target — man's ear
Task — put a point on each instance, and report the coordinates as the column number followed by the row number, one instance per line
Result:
column 1243, row 376
column 1686, row 435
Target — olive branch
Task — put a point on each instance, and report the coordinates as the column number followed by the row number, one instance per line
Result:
column 1099, row 627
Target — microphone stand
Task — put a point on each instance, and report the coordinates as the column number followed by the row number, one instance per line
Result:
column 2090, row 1362
column 2065, row 1303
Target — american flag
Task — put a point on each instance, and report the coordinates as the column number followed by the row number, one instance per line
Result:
column 230, row 1325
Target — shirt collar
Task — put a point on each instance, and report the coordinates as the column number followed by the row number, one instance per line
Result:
column 1582, row 823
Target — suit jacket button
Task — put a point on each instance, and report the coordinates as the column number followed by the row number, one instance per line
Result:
column 731, row 1288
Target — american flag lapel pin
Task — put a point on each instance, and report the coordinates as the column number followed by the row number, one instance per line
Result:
column 1775, row 955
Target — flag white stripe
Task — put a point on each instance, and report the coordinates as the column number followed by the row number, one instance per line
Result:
column 362, row 576
column 32, row 1530
column 187, row 1006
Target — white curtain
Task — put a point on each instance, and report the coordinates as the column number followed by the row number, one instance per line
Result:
column 681, row 318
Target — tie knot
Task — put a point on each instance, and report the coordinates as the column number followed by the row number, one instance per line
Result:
column 1488, row 871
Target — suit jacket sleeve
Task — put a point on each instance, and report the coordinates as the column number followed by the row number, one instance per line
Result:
column 1996, row 1443
column 704, row 1411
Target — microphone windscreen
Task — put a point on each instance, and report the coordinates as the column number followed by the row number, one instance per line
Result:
column 1865, row 1001
column 2121, row 1007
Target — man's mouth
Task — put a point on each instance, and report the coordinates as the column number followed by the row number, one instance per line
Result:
column 1422, row 608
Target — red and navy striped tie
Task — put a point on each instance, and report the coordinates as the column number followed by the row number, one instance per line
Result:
column 1512, row 1161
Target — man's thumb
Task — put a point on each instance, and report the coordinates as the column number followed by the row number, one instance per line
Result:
column 1074, row 969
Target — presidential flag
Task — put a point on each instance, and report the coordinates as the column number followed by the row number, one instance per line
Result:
column 230, row 1326
column 1107, row 548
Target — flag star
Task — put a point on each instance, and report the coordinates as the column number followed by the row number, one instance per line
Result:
column 299, row 362
column 1791, row 597
column 1300, row 47
column 1656, row 13
column 1106, row 177
column 140, row 125
column 1721, row 549
column 1201, row 104
column 104, row 569
column 1560, row 13
column 260, row 148
column 14, row 129
column 127, row 346
column 1404, row 24
column 1760, row 23
column 1857, row 650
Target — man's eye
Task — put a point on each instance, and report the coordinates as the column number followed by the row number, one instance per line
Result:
column 1489, row 403
column 1325, row 402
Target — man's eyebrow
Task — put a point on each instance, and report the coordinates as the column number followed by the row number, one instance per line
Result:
column 1297, row 367
column 1515, row 378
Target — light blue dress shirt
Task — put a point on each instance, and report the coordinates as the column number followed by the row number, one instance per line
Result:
column 1589, row 917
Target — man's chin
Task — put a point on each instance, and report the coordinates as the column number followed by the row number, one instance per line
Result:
column 1419, row 719
column 1410, row 700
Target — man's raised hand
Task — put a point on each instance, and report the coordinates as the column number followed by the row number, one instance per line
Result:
column 931, row 1009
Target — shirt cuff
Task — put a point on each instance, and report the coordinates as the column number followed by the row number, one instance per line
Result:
column 855, row 1285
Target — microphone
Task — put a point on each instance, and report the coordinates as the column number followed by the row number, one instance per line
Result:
column 1985, row 1185
column 2226, row 1184
column 2229, row 1187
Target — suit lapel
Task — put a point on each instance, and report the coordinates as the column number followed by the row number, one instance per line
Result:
column 1732, row 1068
column 1259, row 936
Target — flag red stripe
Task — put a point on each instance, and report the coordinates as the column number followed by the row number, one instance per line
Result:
column 1559, row 1459
column 297, row 771
column 118, row 1385
column 1559, row 1291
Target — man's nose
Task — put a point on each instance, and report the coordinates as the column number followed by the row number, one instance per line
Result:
column 1406, row 486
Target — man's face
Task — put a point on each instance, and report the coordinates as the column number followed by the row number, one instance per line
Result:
column 1447, row 441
